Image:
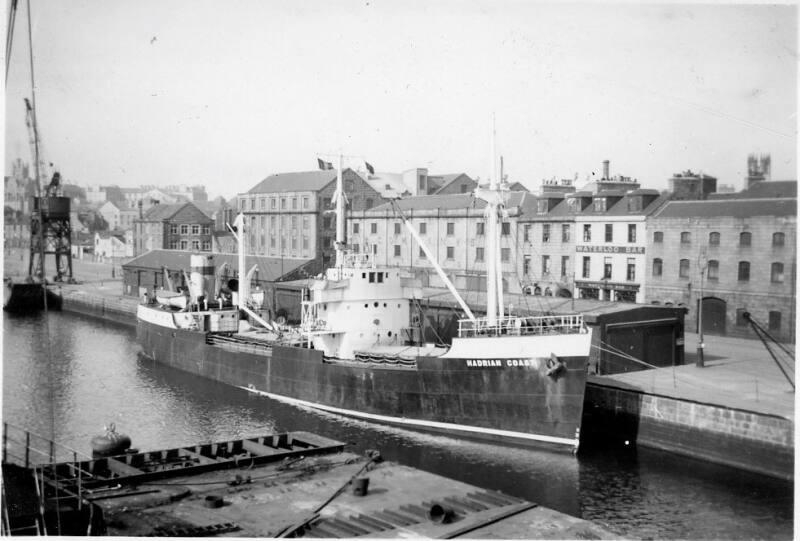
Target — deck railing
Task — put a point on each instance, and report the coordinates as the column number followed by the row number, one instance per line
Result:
column 521, row 326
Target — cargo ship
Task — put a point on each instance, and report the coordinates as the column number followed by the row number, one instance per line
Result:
column 357, row 352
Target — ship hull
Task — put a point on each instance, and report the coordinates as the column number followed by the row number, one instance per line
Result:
column 512, row 400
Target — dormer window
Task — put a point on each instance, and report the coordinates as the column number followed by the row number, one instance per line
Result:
column 541, row 206
column 635, row 204
column 599, row 204
column 574, row 204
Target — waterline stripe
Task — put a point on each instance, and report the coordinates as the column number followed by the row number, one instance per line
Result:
column 415, row 422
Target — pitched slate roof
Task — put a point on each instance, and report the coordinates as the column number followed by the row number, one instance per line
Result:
column 448, row 202
column 448, row 179
column 304, row 181
column 270, row 268
column 158, row 213
column 736, row 208
column 772, row 188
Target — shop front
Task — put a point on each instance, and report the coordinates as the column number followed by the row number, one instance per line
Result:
column 606, row 290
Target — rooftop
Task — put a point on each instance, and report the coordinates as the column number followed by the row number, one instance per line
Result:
column 736, row 208
column 303, row 181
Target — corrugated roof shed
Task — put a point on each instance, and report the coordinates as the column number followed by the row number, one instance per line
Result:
column 303, row 181
column 270, row 268
column 736, row 208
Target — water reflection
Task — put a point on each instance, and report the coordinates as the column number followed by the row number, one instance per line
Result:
column 89, row 373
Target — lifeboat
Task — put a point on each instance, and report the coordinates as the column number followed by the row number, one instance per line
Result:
column 110, row 443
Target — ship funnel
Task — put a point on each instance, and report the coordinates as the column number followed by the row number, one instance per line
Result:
column 202, row 276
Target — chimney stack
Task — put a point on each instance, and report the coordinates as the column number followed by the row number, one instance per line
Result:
column 606, row 170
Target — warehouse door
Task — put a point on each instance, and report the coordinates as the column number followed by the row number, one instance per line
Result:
column 713, row 315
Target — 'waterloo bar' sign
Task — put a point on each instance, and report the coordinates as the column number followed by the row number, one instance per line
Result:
column 611, row 249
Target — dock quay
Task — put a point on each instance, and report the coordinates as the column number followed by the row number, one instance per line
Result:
column 294, row 484
column 737, row 410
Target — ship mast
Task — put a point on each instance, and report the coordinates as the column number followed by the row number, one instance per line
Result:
column 339, row 201
column 494, row 207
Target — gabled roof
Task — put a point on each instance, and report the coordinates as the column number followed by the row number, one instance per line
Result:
column 270, row 268
column 158, row 213
column 448, row 179
column 304, row 181
column 736, row 208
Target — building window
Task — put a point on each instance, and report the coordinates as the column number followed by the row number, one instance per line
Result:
column 263, row 204
column 451, row 228
column 373, row 228
column 305, row 202
column 294, row 243
column 423, row 228
column 541, row 205
column 776, row 274
column 273, row 203
column 369, row 203
column 356, row 249
column 356, row 228
column 305, row 222
column 587, row 233
column 713, row 238
column 326, row 242
column 479, row 254
column 658, row 236
column 564, row 265
column 173, row 229
column 778, row 239
column 609, row 232
column 774, row 321
column 526, row 265
column 479, row 229
column 326, row 203
column 526, row 233
column 631, row 232
column 564, row 232
column 505, row 228
column 683, row 271
column 272, row 241
column 305, row 243
column 607, row 268
column 397, row 250
column 173, row 244
column 294, row 203
column 451, row 252
column 326, row 222
column 184, row 245
column 184, row 229
column 741, row 321
column 713, row 270
column 505, row 254
column 744, row 271
column 631, row 274
column 686, row 237
column 206, row 246
column 545, row 232
column 658, row 267
column 421, row 253
column 744, row 238
column 545, row 265
column 196, row 245
column 207, row 229
column 294, row 225
column 599, row 204
column 587, row 266
column 253, row 203
column 283, row 203
column 397, row 227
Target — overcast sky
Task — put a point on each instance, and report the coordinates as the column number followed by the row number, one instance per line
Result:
column 225, row 93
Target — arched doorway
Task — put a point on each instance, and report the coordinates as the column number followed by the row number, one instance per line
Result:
column 713, row 315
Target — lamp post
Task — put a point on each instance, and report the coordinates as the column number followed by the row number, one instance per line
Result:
column 702, row 263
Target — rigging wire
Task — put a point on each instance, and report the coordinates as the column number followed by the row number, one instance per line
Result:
column 12, row 15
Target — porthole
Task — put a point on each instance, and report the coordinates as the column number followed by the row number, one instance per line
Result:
column 389, row 333
column 366, row 305
column 376, row 304
column 384, row 305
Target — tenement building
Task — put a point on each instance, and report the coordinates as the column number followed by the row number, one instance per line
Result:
column 724, row 257
column 452, row 226
column 611, row 242
column 290, row 215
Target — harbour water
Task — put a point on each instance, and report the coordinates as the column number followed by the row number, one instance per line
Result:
column 67, row 376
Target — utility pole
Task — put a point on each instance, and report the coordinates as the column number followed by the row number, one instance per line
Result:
column 702, row 263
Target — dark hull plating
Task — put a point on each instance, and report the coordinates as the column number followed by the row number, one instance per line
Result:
column 444, row 395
